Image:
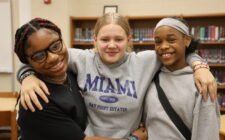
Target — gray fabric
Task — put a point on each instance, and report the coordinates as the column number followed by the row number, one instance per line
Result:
column 201, row 117
column 174, row 23
column 134, row 73
column 126, row 81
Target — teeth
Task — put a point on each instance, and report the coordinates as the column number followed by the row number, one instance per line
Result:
column 54, row 67
column 166, row 54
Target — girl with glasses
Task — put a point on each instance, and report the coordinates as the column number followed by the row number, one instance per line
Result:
column 113, row 78
column 39, row 44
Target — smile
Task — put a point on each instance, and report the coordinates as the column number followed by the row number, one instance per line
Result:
column 167, row 55
column 56, row 67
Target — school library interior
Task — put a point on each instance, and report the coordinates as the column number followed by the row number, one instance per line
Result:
column 77, row 20
column 208, row 28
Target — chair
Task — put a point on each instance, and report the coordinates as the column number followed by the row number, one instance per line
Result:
column 8, row 124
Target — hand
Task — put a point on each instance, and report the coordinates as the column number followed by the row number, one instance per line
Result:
column 141, row 132
column 31, row 86
column 206, row 83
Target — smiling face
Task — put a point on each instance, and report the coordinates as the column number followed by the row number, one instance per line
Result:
column 112, row 42
column 170, row 46
column 55, row 64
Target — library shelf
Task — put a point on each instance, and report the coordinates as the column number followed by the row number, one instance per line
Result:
column 222, row 109
column 217, row 65
column 213, row 43
column 208, row 28
column 220, row 87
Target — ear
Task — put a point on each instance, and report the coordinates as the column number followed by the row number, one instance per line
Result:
column 130, row 39
column 187, row 41
column 94, row 39
column 95, row 43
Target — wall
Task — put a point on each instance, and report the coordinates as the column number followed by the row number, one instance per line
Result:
column 60, row 11
column 147, row 7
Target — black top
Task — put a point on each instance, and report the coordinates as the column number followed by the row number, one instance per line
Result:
column 63, row 118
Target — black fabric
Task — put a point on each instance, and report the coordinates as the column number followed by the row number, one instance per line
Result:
column 63, row 118
column 170, row 111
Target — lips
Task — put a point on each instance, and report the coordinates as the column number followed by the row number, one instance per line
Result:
column 166, row 55
column 111, row 53
column 56, row 67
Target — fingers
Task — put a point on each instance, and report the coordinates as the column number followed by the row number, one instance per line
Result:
column 29, row 88
column 198, row 85
column 35, row 100
column 44, row 88
column 22, row 101
column 205, row 91
column 41, row 93
column 213, row 91
column 28, row 102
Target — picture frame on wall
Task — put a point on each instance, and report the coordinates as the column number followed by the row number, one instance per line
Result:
column 110, row 9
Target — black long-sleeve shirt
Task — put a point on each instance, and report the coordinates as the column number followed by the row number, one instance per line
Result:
column 63, row 118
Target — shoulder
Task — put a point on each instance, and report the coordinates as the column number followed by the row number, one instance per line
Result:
column 80, row 52
column 144, row 55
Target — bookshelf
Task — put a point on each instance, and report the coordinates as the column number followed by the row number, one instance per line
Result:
column 208, row 28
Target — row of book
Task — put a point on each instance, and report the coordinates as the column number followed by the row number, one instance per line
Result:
column 213, row 55
column 209, row 33
column 221, row 99
column 84, row 35
column 219, row 75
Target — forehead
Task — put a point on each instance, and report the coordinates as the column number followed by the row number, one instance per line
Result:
column 41, row 39
column 111, row 29
column 166, row 30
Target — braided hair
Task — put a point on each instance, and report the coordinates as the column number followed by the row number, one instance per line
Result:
column 25, row 31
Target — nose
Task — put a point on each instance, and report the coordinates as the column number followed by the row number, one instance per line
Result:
column 164, row 45
column 112, row 44
column 52, row 57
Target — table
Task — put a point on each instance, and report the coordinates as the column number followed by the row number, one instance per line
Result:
column 7, row 104
column 222, row 127
column 8, row 116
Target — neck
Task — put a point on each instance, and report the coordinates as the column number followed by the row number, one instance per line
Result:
column 55, row 80
column 177, row 67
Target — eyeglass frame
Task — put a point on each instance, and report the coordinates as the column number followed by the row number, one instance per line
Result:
column 47, row 49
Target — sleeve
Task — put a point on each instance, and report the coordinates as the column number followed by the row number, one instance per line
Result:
column 48, row 124
column 192, row 58
column 24, row 71
column 78, row 59
column 206, row 121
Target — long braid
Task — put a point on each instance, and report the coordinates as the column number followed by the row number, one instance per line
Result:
column 24, row 32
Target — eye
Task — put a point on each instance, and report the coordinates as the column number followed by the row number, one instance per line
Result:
column 158, row 41
column 119, row 39
column 38, row 56
column 56, row 47
column 171, row 40
column 104, row 39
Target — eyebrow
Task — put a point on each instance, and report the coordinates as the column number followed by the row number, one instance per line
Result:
column 56, row 40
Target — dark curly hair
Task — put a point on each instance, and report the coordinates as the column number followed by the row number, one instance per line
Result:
column 23, row 33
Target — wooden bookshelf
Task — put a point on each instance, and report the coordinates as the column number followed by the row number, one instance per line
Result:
column 222, row 109
column 148, row 22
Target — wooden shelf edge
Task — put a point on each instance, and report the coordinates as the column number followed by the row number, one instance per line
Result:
column 213, row 43
column 222, row 108
column 220, row 87
column 217, row 65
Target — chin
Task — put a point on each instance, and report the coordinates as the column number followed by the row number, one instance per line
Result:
column 59, row 73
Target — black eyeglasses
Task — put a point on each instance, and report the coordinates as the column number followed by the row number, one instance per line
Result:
column 41, row 56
